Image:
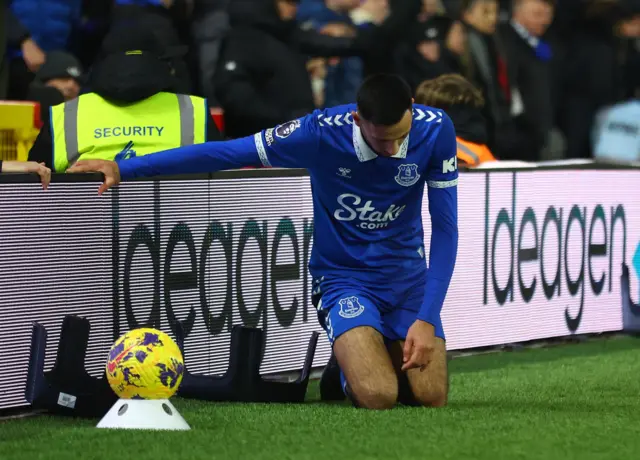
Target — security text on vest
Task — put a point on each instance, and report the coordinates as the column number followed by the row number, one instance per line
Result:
column 117, row 131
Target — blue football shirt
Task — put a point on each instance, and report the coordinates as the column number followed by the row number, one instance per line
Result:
column 367, row 208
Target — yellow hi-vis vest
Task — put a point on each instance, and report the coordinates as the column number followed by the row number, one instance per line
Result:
column 89, row 127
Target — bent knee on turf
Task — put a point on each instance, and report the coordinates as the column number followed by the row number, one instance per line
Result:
column 376, row 395
column 432, row 397
column 367, row 367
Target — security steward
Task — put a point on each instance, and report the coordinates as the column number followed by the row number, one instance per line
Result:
column 131, row 109
column 463, row 103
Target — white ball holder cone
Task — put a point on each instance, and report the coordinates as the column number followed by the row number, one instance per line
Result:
column 143, row 414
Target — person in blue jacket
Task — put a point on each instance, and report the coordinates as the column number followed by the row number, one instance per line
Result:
column 345, row 75
column 38, row 26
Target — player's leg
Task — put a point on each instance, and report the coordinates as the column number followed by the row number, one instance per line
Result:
column 352, row 322
column 367, row 368
column 429, row 387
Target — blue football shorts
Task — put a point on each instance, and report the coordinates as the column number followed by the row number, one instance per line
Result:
column 344, row 304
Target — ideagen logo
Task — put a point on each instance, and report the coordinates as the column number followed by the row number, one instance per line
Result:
column 185, row 262
column 600, row 233
column 636, row 265
column 368, row 216
column 628, row 305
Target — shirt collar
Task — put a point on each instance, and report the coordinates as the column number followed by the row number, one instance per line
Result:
column 524, row 33
column 365, row 153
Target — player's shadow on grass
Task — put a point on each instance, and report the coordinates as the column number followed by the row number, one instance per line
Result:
column 497, row 360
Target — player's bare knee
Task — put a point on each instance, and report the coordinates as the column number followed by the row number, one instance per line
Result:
column 436, row 396
column 435, row 400
column 377, row 395
column 367, row 367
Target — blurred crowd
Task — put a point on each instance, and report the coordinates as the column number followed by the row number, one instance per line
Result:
column 550, row 73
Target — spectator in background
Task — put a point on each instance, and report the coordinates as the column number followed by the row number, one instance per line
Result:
column 435, row 47
column 370, row 12
column 617, row 133
column 263, row 79
column 133, row 108
column 463, row 103
column 529, row 60
column 381, row 42
column 455, row 53
column 424, row 41
column 209, row 26
column 487, row 69
column 57, row 81
column 599, row 68
column 40, row 26
column 86, row 41
column 430, row 8
column 4, row 61
column 317, row 68
column 167, row 20
column 343, row 75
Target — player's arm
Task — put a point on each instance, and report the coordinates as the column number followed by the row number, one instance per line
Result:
column 442, row 181
column 197, row 158
column 291, row 145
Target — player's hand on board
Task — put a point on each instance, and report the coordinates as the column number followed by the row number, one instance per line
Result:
column 29, row 167
column 418, row 346
column 108, row 168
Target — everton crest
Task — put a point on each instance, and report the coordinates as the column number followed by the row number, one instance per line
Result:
column 350, row 307
column 407, row 175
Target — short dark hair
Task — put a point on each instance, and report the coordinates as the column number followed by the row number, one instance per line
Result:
column 383, row 99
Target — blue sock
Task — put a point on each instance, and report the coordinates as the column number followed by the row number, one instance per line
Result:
column 343, row 383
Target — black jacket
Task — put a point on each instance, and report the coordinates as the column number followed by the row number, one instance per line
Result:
column 46, row 96
column 12, row 34
column 168, row 27
column 412, row 66
column 486, row 53
column 470, row 124
column 415, row 69
column 123, row 79
column 379, row 44
column 532, row 79
column 262, row 79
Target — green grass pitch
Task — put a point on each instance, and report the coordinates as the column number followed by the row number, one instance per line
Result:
column 566, row 402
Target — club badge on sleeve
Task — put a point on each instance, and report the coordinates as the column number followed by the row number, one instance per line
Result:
column 286, row 129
